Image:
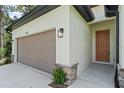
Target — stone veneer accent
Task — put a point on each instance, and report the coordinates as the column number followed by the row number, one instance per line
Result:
column 121, row 76
column 70, row 71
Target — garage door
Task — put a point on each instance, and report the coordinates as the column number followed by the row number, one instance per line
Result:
column 37, row 50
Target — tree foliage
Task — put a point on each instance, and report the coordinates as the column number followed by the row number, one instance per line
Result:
column 4, row 15
column 6, row 9
column 8, row 45
column 24, row 8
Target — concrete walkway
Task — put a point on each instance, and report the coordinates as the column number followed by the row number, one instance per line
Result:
column 20, row 76
column 96, row 76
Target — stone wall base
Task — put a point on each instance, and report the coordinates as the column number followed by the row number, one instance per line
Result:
column 71, row 73
column 121, row 76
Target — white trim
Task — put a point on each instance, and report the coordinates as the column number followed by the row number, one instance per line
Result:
column 103, row 26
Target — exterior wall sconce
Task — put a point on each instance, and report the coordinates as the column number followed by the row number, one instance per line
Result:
column 60, row 33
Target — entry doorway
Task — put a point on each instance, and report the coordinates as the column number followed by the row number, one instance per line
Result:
column 103, row 46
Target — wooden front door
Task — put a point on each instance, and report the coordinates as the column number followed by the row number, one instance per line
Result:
column 103, row 45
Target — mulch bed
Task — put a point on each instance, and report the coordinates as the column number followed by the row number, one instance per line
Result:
column 57, row 85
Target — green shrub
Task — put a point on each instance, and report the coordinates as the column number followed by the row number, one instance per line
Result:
column 8, row 45
column 2, row 52
column 7, row 49
column 59, row 76
column 7, row 61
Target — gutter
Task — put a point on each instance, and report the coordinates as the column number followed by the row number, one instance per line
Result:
column 33, row 14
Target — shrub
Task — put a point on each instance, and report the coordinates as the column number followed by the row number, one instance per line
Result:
column 7, row 61
column 2, row 52
column 59, row 76
column 8, row 45
column 5, row 52
column 8, row 49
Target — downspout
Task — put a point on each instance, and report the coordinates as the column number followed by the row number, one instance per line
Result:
column 117, row 46
column 117, row 37
column 117, row 50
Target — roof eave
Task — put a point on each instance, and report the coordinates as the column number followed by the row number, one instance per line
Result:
column 86, row 12
column 35, row 13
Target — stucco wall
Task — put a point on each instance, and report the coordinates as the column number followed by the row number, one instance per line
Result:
column 80, row 41
column 121, row 35
column 102, row 26
column 55, row 19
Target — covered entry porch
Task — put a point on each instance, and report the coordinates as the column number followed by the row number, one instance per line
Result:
column 98, row 53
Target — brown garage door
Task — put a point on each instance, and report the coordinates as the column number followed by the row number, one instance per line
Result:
column 38, row 50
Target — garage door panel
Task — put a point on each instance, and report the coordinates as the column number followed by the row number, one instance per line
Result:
column 38, row 50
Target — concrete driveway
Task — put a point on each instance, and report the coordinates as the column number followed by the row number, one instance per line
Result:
column 19, row 76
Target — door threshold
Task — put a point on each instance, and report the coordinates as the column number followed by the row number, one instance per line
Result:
column 102, row 62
